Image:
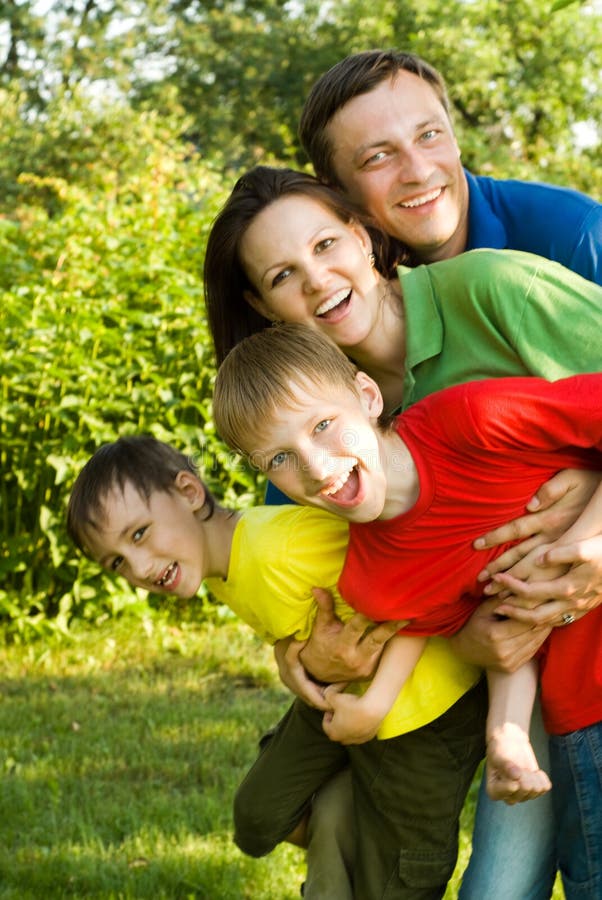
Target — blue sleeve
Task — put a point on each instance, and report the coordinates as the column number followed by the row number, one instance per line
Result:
column 275, row 497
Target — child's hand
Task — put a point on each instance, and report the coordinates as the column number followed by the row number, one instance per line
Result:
column 513, row 774
column 351, row 720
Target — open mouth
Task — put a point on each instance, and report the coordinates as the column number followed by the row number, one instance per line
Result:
column 423, row 200
column 334, row 306
column 169, row 576
column 345, row 490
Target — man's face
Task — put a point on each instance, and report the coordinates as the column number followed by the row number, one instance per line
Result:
column 324, row 451
column 156, row 544
column 395, row 153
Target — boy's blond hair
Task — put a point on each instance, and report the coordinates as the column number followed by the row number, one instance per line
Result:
column 257, row 379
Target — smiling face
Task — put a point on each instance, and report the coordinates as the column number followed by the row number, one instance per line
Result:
column 395, row 154
column 308, row 266
column 326, row 452
column 157, row 544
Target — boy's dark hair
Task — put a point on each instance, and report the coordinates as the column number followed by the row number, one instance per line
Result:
column 356, row 74
column 231, row 318
column 140, row 460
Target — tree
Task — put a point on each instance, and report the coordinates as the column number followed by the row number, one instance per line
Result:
column 525, row 82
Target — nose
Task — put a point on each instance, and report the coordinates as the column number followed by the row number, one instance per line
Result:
column 414, row 166
column 318, row 465
column 315, row 278
column 140, row 565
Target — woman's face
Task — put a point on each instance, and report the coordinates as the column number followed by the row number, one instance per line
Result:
column 308, row 266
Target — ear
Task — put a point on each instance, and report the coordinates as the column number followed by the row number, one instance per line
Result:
column 258, row 305
column 370, row 395
column 191, row 489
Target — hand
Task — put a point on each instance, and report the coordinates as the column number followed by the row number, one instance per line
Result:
column 553, row 509
column 293, row 675
column 338, row 652
column 350, row 720
column 512, row 772
column 576, row 589
column 492, row 643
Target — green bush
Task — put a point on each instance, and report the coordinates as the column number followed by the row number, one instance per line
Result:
column 103, row 333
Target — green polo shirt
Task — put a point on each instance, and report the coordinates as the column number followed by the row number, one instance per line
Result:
column 492, row 313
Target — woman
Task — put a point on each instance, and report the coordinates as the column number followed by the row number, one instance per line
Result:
column 240, row 300
column 286, row 247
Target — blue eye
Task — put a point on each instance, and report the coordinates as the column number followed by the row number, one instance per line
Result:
column 323, row 425
column 375, row 158
column 278, row 460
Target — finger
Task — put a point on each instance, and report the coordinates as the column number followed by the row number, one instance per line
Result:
column 325, row 603
column 546, row 615
column 511, row 557
column 523, row 647
column 381, row 633
column 313, row 695
column 570, row 554
column 357, row 626
column 555, row 489
column 517, row 530
column 532, row 593
column 331, row 690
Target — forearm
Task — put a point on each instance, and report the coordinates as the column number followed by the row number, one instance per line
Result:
column 511, row 697
column 353, row 719
column 398, row 661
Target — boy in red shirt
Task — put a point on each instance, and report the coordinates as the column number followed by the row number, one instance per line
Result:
column 417, row 493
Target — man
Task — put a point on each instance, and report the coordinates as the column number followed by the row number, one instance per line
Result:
column 377, row 126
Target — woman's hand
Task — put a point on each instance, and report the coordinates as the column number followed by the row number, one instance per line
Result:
column 554, row 508
column 553, row 582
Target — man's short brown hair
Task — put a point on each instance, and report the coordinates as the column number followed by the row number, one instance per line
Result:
column 356, row 74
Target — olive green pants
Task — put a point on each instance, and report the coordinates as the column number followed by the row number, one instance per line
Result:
column 408, row 793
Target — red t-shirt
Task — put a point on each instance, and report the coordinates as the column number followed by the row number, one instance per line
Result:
column 481, row 450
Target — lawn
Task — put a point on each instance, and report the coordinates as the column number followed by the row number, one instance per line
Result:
column 120, row 751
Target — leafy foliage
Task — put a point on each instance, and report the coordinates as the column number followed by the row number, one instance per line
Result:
column 524, row 75
column 103, row 333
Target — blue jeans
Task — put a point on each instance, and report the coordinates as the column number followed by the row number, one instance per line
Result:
column 513, row 853
column 576, row 770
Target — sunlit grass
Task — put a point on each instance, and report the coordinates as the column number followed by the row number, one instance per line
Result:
column 120, row 752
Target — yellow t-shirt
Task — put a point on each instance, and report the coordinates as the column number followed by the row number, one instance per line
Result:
column 278, row 554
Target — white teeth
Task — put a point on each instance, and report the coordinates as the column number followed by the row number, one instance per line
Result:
column 167, row 579
column 332, row 302
column 420, row 201
column 336, row 486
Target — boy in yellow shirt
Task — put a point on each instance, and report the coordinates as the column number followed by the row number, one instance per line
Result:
column 140, row 510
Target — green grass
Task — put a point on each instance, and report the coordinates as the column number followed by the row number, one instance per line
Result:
column 120, row 753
